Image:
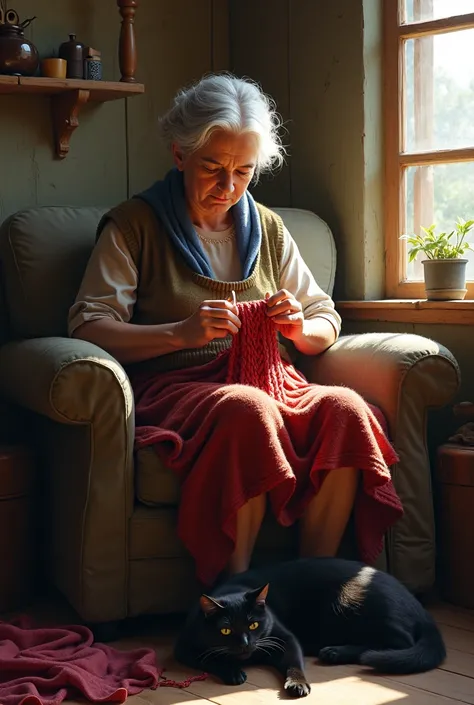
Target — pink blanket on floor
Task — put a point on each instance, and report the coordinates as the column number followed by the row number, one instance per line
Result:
column 46, row 665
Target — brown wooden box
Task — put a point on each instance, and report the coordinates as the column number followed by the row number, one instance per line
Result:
column 17, row 527
column 456, row 525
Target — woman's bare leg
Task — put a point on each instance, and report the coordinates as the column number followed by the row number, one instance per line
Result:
column 324, row 522
column 249, row 520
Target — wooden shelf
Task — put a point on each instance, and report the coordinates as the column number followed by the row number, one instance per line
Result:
column 67, row 98
column 100, row 91
column 6, row 82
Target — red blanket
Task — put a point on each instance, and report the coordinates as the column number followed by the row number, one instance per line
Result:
column 248, row 423
column 46, row 665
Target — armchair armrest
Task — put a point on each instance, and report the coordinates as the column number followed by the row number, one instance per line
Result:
column 61, row 378
column 85, row 405
column 403, row 375
column 382, row 367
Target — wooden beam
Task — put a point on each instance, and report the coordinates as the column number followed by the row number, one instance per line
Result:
column 440, row 26
column 440, row 156
column 423, row 191
column 393, row 111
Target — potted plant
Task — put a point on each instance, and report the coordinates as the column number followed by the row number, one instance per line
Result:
column 444, row 268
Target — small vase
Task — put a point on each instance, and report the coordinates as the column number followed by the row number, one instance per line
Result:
column 18, row 56
column 445, row 279
column 73, row 52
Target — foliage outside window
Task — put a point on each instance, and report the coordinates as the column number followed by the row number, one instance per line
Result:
column 429, row 129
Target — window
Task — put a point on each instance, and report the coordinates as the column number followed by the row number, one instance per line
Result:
column 429, row 129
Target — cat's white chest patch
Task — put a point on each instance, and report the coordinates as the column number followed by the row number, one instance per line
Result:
column 352, row 593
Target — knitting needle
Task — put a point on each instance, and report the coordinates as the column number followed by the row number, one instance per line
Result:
column 234, row 298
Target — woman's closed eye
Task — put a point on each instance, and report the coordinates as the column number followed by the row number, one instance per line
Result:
column 215, row 170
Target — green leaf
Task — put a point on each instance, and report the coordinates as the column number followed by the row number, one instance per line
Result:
column 439, row 245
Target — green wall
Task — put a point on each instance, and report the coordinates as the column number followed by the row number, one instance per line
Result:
column 311, row 57
column 115, row 150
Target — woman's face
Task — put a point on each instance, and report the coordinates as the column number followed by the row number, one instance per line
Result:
column 217, row 175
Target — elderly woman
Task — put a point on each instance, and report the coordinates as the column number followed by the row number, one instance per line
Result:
column 158, row 294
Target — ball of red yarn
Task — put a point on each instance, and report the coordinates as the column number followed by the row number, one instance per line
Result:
column 254, row 357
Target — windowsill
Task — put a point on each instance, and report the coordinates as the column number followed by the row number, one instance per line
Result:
column 409, row 311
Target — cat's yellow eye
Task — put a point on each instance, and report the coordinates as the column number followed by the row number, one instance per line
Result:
column 225, row 631
column 253, row 626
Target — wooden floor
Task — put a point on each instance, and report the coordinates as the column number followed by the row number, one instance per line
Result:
column 337, row 685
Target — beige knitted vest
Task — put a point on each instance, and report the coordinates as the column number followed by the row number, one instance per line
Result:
column 169, row 291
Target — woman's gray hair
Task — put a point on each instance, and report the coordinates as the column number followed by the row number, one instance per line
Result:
column 223, row 101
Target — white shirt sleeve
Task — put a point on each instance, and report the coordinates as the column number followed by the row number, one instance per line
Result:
column 108, row 288
column 296, row 277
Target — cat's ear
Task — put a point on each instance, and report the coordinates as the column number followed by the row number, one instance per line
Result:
column 209, row 605
column 259, row 596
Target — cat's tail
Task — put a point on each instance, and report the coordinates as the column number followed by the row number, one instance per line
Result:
column 427, row 653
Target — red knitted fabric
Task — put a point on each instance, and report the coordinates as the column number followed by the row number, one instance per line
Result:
column 254, row 357
column 249, row 423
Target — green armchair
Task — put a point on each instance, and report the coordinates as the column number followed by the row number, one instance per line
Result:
column 113, row 547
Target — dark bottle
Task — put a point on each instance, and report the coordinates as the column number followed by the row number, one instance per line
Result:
column 72, row 51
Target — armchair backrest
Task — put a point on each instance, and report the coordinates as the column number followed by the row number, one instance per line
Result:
column 44, row 251
column 43, row 255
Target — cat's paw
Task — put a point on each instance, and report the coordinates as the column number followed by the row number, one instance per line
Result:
column 296, row 685
column 234, row 677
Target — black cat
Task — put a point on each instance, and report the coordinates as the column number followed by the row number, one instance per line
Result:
column 341, row 611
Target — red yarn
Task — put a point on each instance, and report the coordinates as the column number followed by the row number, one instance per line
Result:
column 248, row 423
column 169, row 683
column 254, row 357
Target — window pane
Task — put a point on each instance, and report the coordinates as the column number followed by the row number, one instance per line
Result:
column 421, row 10
column 439, row 194
column 439, row 91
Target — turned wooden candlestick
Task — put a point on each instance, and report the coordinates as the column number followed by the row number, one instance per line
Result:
column 127, row 44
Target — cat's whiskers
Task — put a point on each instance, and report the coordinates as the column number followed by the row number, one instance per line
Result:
column 276, row 639
column 271, row 642
column 213, row 651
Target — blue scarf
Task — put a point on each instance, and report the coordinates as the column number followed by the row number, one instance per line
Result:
column 167, row 200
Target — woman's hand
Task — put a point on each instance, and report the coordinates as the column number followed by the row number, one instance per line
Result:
column 212, row 320
column 286, row 313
